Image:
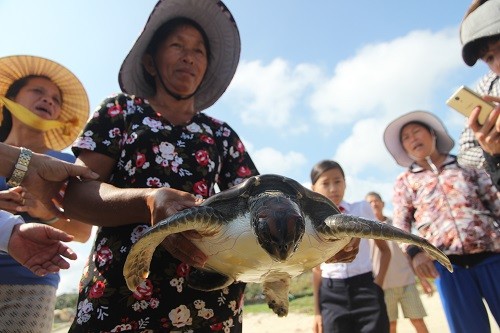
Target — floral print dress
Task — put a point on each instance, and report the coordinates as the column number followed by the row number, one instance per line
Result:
column 150, row 152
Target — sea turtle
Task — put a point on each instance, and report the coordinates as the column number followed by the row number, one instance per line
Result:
column 266, row 230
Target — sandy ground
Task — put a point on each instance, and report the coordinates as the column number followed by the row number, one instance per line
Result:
column 300, row 323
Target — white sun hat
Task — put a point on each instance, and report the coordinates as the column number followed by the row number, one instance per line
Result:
column 223, row 36
column 392, row 135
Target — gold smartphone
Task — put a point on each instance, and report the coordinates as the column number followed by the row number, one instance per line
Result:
column 464, row 100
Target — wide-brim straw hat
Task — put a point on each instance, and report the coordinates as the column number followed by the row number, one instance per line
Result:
column 392, row 135
column 483, row 22
column 223, row 37
column 75, row 106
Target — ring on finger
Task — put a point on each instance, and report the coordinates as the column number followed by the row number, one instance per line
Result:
column 23, row 202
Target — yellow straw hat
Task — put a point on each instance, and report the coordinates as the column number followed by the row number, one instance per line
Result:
column 75, row 107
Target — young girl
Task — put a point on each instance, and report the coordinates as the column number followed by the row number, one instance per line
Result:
column 347, row 296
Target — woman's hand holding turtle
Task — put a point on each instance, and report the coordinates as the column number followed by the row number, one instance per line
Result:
column 348, row 253
column 165, row 202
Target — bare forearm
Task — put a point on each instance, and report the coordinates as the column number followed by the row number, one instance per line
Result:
column 79, row 230
column 316, row 282
column 385, row 259
column 102, row 204
column 9, row 156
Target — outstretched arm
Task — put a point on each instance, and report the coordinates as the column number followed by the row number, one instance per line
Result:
column 121, row 206
column 44, row 176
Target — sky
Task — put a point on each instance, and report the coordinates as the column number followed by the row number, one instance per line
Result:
column 316, row 80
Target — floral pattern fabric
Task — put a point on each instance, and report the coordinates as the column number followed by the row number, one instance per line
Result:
column 457, row 210
column 151, row 152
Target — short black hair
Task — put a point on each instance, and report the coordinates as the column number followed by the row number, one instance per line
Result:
column 323, row 166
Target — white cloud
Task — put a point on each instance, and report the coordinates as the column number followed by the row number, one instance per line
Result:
column 270, row 160
column 358, row 188
column 388, row 78
column 364, row 149
column 267, row 94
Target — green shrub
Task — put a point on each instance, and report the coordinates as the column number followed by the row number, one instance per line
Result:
column 66, row 301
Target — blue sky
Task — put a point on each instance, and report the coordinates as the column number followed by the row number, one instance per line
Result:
column 317, row 79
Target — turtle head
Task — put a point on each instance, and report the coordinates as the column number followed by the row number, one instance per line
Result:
column 278, row 224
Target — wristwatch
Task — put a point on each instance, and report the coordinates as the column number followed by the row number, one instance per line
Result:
column 21, row 167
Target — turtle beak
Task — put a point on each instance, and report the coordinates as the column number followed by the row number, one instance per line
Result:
column 279, row 228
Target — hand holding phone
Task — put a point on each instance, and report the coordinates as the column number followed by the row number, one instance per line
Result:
column 464, row 100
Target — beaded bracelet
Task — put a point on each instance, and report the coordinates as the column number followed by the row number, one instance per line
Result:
column 21, row 167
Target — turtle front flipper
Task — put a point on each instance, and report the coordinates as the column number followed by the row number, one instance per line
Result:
column 204, row 220
column 341, row 225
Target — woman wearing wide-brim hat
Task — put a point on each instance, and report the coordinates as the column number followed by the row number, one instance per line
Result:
column 158, row 153
column 44, row 107
column 455, row 209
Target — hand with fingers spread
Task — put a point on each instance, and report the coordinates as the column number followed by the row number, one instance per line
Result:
column 38, row 247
